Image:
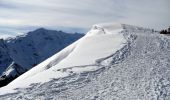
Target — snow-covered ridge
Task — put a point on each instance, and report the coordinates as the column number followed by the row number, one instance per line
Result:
column 108, row 63
column 101, row 41
column 107, row 28
column 115, row 28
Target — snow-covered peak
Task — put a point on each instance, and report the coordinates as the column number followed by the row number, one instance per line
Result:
column 105, row 28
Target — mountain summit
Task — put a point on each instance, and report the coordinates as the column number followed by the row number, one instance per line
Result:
column 112, row 61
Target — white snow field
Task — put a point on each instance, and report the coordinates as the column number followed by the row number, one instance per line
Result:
column 111, row 62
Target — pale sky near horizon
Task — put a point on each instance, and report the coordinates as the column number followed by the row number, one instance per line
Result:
column 18, row 16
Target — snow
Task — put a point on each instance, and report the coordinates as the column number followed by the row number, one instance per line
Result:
column 105, row 28
column 5, row 36
column 10, row 71
column 14, row 70
column 38, row 46
column 132, row 66
column 28, row 50
column 86, row 53
column 83, row 52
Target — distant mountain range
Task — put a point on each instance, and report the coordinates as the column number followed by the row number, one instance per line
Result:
column 21, row 53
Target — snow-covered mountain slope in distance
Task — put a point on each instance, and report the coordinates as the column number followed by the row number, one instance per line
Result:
column 30, row 49
column 135, row 66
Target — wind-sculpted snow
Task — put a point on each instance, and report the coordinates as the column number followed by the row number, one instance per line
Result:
column 137, row 71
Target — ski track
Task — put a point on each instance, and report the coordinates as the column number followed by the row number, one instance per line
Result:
column 138, row 71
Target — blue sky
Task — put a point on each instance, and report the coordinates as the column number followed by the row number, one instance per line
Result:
column 18, row 16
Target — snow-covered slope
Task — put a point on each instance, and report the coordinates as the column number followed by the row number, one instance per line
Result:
column 112, row 62
column 30, row 49
column 83, row 52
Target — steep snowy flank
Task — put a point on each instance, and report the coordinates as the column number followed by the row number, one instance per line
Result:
column 30, row 49
column 101, row 41
column 112, row 62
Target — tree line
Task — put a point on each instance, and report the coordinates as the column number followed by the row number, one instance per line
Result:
column 165, row 31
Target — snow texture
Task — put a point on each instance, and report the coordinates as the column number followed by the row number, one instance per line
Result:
column 135, row 68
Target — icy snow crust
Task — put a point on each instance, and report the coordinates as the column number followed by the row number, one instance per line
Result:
column 132, row 66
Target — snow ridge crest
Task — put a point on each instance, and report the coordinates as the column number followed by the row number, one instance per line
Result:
column 105, row 28
column 117, row 28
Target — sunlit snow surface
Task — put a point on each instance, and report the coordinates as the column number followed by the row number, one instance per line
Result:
column 112, row 62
